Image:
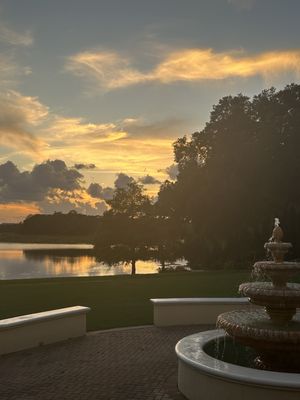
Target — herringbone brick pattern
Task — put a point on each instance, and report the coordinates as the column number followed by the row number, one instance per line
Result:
column 128, row 364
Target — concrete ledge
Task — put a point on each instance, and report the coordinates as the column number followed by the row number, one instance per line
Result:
column 194, row 311
column 32, row 330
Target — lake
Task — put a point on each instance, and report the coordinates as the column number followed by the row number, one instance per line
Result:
column 30, row 260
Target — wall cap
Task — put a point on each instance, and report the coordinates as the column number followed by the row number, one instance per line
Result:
column 42, row 317
column 200, row 301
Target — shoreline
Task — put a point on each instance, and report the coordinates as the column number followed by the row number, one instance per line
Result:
column 49, row 239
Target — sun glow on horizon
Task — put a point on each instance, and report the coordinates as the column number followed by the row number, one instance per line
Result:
column 14, row 212
column 121, row 88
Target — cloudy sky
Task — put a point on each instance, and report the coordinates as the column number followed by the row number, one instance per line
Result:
column 95, row 92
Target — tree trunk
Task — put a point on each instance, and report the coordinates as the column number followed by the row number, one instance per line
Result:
column 133, row 268
column 161, row 251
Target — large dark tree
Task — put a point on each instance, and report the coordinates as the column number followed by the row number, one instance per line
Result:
column 236, row 175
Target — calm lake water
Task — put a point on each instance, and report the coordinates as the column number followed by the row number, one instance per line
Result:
column 26, row 260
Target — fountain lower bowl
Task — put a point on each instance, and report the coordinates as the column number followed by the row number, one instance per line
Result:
column 204, row 377
column 257, row 326
column 277, row 345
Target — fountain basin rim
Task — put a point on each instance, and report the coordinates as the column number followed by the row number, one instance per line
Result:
column 266, row 289
column 277, row 266
column 278, row 245
column 192, row 345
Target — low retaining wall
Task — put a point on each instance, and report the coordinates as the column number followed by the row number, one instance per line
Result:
column 32, row 330
column 194, row 311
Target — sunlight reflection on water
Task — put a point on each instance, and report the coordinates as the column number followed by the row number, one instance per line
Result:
column 20, row 260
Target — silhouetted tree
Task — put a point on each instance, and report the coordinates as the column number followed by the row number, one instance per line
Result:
column 166, row 239
column 122, row 238
column 236, row 175
column 124, row 230
column 130, row 201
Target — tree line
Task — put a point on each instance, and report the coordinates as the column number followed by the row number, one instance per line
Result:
column 235, row 176
column 56, row 224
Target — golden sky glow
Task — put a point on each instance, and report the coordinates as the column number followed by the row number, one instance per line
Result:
column 13, row 212
column 125, row 145
column 111, row 87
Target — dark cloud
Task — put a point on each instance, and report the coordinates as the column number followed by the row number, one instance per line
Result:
column 123, row 180
column 65, row 201
column 55, row 174
column 84, row 166
column 16, row 185
column 172, row 171
column 149, row 180
column 35, row 185
column 97, row 191
column 53, row 187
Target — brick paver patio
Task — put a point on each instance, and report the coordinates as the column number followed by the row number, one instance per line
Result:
column 129, row 364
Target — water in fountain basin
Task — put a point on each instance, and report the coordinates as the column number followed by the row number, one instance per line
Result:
column 228, row 350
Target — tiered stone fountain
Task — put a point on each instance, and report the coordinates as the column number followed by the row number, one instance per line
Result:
column 275, row 331
column 272, row 331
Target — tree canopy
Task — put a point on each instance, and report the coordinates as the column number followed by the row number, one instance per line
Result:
column 124, row 233
column 135, row 229
column 236, row 175
column 130, row 201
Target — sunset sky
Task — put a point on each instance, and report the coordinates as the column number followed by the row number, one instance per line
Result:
column 105, row 87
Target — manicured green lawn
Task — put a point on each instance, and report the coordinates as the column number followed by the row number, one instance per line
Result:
column 115, row 301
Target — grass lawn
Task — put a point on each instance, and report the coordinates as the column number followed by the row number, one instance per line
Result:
column 115, row 301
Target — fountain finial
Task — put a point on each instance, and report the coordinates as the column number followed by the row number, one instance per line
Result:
column 275, row 245
column 277, row 233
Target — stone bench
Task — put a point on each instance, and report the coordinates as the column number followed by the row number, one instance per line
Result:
column 194, row 311
column 32, row 330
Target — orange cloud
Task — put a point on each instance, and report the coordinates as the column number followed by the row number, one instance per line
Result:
column 18, row 115
column 132, row 145
column 78, row 200
column 125, row 145
column 77, row 130
column 112, row 71
column 107, row 67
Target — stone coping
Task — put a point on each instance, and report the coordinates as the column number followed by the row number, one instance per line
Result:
column 190, row 351
column 200, row 300
column 42, row 316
